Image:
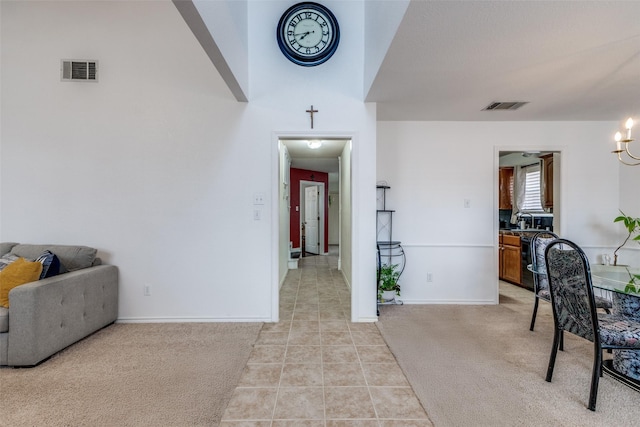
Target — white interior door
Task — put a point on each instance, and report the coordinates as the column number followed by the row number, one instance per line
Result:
column 311, row 220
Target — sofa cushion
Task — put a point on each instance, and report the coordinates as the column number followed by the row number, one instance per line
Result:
column 15, row 274
column 50, row 264
column 71, row 257
column 5, row 247
column 4, row 320
column 7, row 259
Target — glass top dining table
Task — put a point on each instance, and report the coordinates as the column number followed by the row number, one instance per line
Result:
column 610, row 277
column 616, row 278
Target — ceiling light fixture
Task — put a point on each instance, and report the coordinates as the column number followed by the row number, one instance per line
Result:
column 619, row 141
column 530, row 154
column 314, row 144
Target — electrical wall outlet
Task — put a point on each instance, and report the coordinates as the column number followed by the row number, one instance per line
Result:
column 429, row 277
column 258, row 198
column 147, row 290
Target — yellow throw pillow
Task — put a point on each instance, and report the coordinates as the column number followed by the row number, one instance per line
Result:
column 15, row 274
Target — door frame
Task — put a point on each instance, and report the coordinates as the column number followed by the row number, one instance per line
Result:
column 355, row 234
column 321, row 222
column 559, row 185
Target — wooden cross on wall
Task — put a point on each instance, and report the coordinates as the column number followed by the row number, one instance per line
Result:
column 311, row 111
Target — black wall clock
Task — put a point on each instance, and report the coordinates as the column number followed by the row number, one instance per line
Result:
column 308, row 34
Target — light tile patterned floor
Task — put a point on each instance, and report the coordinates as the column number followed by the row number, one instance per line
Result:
column 315, row 368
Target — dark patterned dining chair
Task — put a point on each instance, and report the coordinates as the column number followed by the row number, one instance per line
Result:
column 574, row 310
column 539, row 243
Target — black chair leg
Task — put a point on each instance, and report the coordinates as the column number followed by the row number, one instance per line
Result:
column 535, row 311
column 561, row 340
column 595, row 378
column 557, row 336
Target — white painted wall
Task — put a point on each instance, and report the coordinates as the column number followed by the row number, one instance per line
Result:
column 138, row 164
column 1, row 105
column 630, row 205
column 278, row 84
column 284, row 214
column 156, row 165
column 433, row 166
column 346, row 232
column 334, row 219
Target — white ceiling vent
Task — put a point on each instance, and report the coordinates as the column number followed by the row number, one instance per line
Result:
column 512, row 105
column 79, row 70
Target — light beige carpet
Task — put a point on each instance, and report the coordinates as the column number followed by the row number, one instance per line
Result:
column 481, row 366
column 172, row 374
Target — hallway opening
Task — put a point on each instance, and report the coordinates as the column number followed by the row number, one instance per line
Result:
column 314, row 201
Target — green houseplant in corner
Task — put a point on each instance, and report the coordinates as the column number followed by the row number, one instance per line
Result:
column 634, row 283
column 632, row 225
column 388, row 285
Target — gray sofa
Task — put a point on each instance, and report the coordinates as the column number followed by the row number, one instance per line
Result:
column 50, row 314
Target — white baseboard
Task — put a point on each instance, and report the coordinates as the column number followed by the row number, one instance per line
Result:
column 448, row 301
column 192, row 320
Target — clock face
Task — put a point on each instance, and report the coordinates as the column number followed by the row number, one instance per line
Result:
column 308, row 34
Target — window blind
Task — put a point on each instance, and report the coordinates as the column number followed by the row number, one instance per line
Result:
column 532, row 201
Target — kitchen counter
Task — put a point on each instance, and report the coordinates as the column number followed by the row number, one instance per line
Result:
column 526, row 232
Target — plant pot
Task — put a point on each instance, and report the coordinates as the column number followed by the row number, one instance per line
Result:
column 388, row 295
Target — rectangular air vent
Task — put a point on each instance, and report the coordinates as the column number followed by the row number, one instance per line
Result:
column 512, row 105
column 79, row 70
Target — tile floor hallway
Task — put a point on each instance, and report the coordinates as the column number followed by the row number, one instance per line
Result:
column 316, row 368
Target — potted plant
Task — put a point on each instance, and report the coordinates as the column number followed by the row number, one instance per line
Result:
column 632, row 226
column 388, row 286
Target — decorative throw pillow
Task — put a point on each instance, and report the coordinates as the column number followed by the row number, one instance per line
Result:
column 15, row 274
column 7, row 259
column 50, row 264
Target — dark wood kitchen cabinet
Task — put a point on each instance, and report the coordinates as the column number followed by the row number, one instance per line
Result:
column 505, row 187
column 509, row 258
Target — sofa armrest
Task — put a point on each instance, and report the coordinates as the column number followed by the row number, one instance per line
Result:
column 50, row 314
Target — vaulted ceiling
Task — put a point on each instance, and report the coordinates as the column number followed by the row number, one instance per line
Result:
column 571, row 60
column 449, row 59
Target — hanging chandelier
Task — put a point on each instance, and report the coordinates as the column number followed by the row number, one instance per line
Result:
column 619, row 145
